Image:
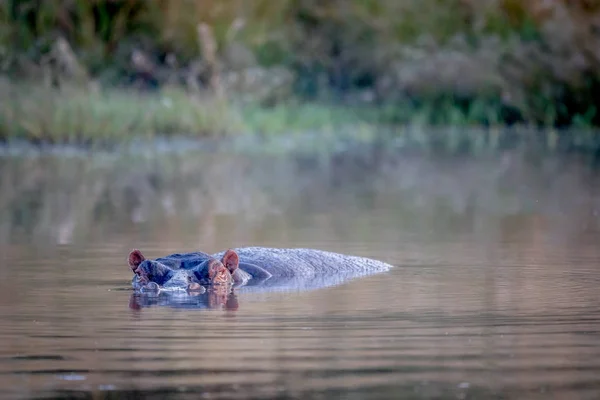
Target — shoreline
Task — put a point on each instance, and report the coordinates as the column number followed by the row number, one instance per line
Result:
column 451, row 140
column 34, row 117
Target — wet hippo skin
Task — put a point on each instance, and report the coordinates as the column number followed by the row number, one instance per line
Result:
column 251, row 267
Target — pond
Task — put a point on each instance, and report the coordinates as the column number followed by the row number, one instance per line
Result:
column 493, row 294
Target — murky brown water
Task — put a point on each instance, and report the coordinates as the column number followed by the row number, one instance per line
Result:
column 494, row 294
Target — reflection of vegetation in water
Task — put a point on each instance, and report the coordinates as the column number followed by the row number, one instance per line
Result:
column 416, row 389
column 68, row 199
column 65, row 198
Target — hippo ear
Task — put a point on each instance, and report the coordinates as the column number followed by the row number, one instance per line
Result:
column 215, row 267
column 135, row 259
column 231, row 260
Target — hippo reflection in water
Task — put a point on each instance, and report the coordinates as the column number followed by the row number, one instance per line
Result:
column 246, row 269
column 217, row 297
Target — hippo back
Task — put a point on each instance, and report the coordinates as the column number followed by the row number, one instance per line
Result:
column 303, row 269
column 305, row 263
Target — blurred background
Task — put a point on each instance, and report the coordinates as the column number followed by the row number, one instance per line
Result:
column 440, row 62
column 341, row 85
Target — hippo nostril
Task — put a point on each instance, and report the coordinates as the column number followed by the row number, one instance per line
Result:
column 151, row 287
column 196, row 287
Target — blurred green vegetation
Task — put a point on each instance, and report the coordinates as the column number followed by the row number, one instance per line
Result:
column 442, row 62
column 76, row 116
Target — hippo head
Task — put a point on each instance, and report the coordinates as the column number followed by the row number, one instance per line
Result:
column 148, row 271
column 215, row 272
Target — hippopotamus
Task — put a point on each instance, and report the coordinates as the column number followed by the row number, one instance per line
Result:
column 274, row 268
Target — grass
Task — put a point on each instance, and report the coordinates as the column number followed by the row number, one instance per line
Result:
column 518, row 51
column 71, row 115
column 81, row 116
column 36, row 114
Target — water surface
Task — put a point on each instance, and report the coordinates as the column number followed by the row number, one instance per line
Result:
column 494, row 293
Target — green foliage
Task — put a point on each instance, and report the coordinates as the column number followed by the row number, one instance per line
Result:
column 76, row 116
column 522, row 63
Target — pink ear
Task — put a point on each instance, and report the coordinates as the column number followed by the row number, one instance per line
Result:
column 231, row 260
column 135, row 259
